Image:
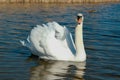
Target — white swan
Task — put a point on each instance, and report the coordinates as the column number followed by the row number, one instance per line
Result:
column 54, row 42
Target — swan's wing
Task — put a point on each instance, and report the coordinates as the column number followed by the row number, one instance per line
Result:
column 36, row 36
column 70, row 41
column 59, row 30
column 40, row 35
column 62, row 33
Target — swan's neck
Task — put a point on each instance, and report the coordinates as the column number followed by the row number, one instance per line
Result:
column 80, row 51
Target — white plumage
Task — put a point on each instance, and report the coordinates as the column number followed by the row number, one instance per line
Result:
column 54, row 42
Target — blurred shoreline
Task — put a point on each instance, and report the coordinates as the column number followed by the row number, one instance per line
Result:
column 58, row 1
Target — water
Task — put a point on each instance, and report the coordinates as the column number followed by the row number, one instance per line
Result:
column 101, row 38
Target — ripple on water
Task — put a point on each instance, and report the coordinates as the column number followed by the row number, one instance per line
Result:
column 101, row 38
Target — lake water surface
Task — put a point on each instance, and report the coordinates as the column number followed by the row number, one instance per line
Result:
column 101, row 39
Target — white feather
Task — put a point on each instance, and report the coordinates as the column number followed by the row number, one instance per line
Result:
column 52, row 41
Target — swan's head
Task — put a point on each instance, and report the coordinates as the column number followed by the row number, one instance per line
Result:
column 79, row 18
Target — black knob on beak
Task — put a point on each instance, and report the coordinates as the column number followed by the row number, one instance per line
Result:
column 79, row 17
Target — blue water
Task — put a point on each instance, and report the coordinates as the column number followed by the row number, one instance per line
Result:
column 101, row 39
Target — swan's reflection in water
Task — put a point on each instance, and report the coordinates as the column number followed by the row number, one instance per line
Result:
column 58, row 70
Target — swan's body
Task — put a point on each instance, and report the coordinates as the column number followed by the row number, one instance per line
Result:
column 54, row 42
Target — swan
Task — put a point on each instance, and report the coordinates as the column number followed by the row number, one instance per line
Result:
column 52, row 41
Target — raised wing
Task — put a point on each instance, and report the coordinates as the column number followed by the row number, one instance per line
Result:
column 70, row 41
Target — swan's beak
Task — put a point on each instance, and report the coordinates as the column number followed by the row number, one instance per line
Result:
column 79, row 18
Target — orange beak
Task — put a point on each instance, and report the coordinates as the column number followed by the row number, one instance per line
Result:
column 79, row 20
